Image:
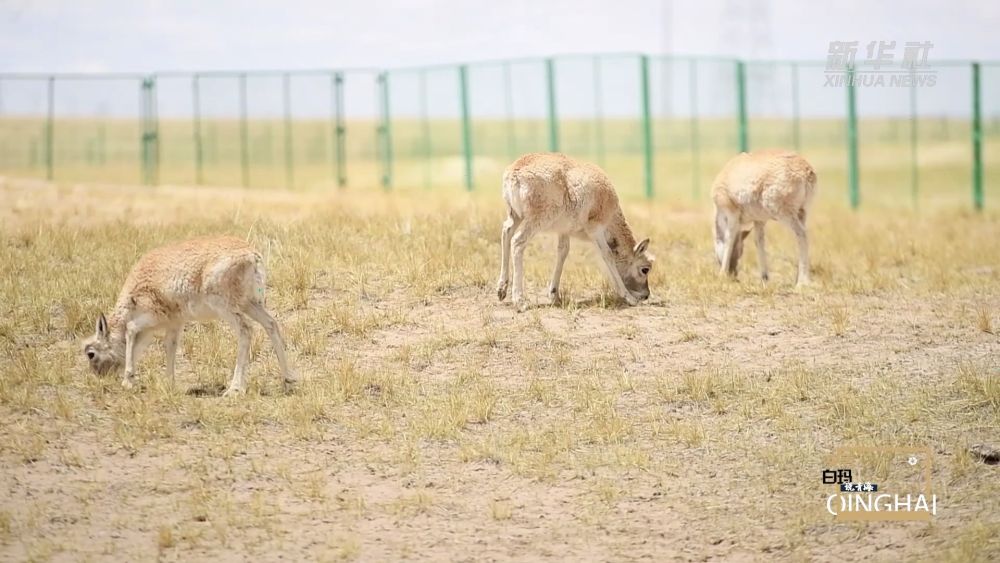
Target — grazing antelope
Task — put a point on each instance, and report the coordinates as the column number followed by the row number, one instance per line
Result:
column 753, row 188
column 199, row 279
column 548, row 192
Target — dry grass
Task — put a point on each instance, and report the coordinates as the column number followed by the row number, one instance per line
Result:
column 433, row 422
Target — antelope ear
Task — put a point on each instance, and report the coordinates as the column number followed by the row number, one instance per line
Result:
column 102, row 326
column 641, row 247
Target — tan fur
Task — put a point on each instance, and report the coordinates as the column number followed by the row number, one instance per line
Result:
column 547, row 192
column 754, row 188
column 199, row 279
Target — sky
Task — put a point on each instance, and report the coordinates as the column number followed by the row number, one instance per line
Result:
column 156, row 35
column 151, row 36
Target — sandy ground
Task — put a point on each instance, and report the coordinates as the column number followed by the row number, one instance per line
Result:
column 442, row 425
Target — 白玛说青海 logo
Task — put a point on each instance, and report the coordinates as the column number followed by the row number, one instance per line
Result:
column 867, row 503
column 904, row 492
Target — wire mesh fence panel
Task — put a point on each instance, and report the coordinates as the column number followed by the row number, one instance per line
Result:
column 575, row 80
column 617, row 122
column 23, row 126
column 923, row 130
column 310, row 124
column 269, row 142
column 990, row 103
column 509, row 108
column 361, row 123
column 717, row 113
column 494, row 121
column 445, row 136
column 176, row 130
column 819, row 122
column 680, row 132
column 772, row 104
column 96, row 133
column 595, row 118
column 887, row 122
column 426, row 126
column 217, row 130
column 407, row 108
column 529, row 128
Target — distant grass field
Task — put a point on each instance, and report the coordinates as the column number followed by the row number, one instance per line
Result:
column 430, row 156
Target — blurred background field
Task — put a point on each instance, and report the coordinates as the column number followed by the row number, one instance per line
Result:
column 456, row 127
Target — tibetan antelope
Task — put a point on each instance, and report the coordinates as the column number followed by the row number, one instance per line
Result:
column 200, row 279
column 547, row 192
column 754, row 188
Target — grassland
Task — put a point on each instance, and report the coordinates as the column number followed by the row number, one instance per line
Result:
column 436, row 423
column 429, row 157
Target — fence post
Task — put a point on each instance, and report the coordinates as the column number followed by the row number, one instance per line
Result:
column 852, row 141
column 196, row 112
column 977, row 140
column 598, row 111
column 796, row 132
column 50, row 130
column 244, row 137
column 550, row 81
column 384, row 131
column 695, row 133
column 150, row 135
column 463, row 94
column 289, row 149
column 647, row 126
column 154, row 106
column 741, row 105
column 339, row 131
column 914, row 179
column 143, row 133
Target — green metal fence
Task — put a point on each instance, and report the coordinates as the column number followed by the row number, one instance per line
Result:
column 661, row 126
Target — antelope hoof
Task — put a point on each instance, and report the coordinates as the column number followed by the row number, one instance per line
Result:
column 129, row 381
column 554, row 297
column 233, row 391
column 502, row 290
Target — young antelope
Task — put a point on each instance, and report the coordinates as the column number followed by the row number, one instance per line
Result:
column 547, row 192
column 200, row 279
column 754, row 188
